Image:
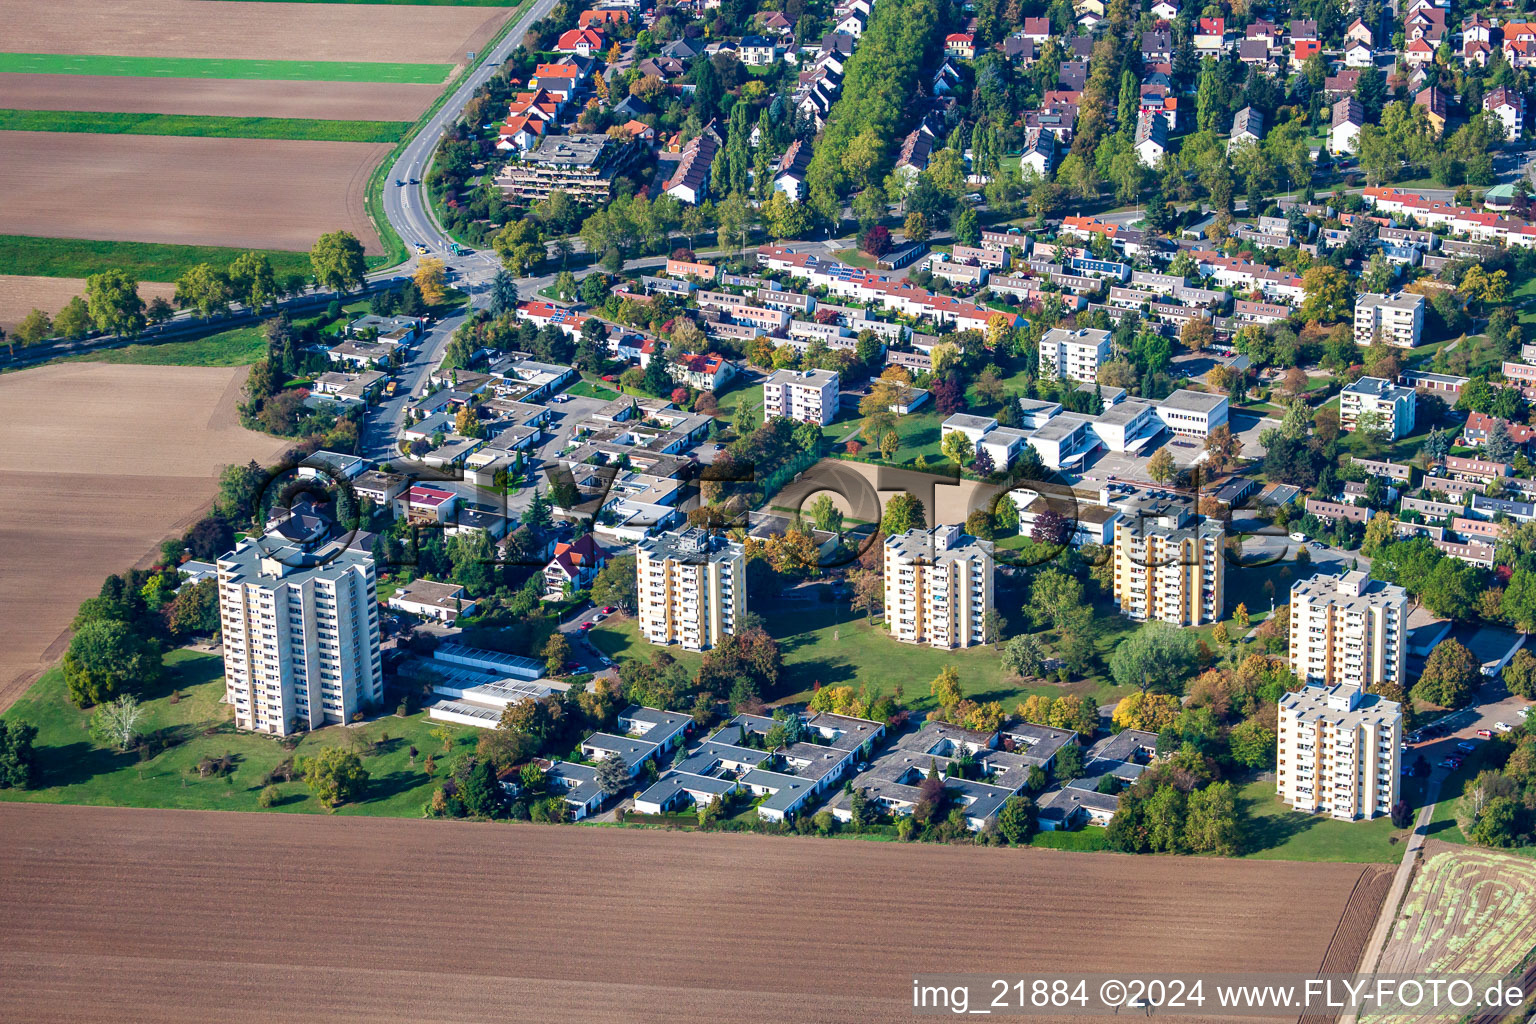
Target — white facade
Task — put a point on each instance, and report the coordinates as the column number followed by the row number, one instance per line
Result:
column 1074, row 354
column 938, row 587
column 1193, row 413
column 1393, row 406
column 1338, row 752
column 1398, row 318
column 691, row 588
column 301, row 635
column 810, row 396
column 1349, row 629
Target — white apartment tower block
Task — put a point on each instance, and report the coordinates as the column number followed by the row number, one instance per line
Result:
column 1169, row 568
column 691, row 587
column 938, row 587
column 1397, row 318
column 1338, row 752
column 1349, row 630
column 301, row 635
column 810, row 396
column 1073, row 353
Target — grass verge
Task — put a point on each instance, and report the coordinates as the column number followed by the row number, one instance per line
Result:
column 303, row 129
column 150, row 261
column 75, row 769
column 239, row 346
column 221, row 67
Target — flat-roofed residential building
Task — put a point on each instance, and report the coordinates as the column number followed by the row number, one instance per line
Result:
column 301, row 634
column 1390, row 406
column 691, row 587
column 1193, row 413
column 1337, row 751
column 1398, row 319
column 810, row 396
column 1349, row 629
column 1170, row 567
column 581, row 166
column 1074, row 353
column 938, row 587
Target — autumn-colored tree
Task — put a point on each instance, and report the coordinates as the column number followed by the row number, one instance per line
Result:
column 946, row 687
column 430, row 280
column 1160, row 466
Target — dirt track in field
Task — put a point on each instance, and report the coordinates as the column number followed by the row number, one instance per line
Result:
column 362, row 101
column 250, row 31
column 98, row 464
column 144, row 188
column 110, row 914
column 19, row 295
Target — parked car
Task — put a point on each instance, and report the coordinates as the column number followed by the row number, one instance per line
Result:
column 1466, row 746
column 609, row 609
column 1486, row 734
column 1502, row 727
column 599, row 617
column 584, row 626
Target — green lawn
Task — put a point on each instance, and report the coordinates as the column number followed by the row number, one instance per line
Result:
column 729, row 402
column 386, row 3
column 80, row 257
column 239, row 346
column 855, row 258
column 587, row 389
column 76, row 769
column 305, row 129
column 1275, row 832
column 220, row 67
column 825, row 643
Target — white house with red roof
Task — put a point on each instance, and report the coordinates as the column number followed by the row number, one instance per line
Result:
column 585, row 41
column 705, row 372
column 574, row 564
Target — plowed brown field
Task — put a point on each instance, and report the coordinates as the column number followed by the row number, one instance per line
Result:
column 20, row 295
column 267, row 31
column 98, row 464
column 112, row 914
column 363, row 101
column 147, row 188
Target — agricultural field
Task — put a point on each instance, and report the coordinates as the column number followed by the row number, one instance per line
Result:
column 1468, row 911
column 20, row 295
column 80, row 257
column 686, row 928
column 250, row 125
column 305, row 129
column 214, row 30
column 98, row 465
column 373, row 101
column 234, row 192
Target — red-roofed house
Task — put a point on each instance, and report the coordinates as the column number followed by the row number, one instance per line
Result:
column 575, row 564
column 960, row 44
column 1305, row 48
column 640, row 130
column 602, row 17
column 583, row 41
column 706, row 372
column 519, row 133
column 1210, row 35
column 1475, row 433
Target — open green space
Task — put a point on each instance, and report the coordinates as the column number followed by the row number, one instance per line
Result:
column 303, row 129
column 732, row 400
column 221, row 67
column 34, row 256
column 826, row 643
column 1275, row 832
column 587, row 389
column 185, row 715
column 239, row 346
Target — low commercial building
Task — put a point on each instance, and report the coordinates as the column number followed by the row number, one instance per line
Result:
column 430, row 600
column 1193, row 413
